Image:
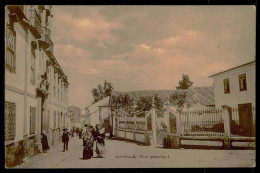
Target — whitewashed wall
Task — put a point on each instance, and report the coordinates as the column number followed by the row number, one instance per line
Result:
column 235, row 96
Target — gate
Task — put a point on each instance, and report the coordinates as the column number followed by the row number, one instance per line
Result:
column 242, row 120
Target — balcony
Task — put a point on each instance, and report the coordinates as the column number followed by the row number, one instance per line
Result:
column 45, row 41
column 36, row 23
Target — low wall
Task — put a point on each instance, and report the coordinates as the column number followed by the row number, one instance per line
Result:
column 17, row 151
column 30, row 149
column 140, row 137
column 14, row 154
column 128, row 134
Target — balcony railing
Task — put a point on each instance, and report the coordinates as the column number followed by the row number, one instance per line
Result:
column 36, row 22
column 45, row 32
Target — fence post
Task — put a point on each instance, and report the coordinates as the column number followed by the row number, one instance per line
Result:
column 134, row 126
column 113, row 123
column 125, row 124
column 146, row 121
column 167, row 122
column 226, row 116
column 117, row 134
column 154, row 123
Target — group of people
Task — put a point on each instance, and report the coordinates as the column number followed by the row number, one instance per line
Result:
column 93, row 139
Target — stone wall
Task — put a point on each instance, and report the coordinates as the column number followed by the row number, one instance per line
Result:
column 17, row 151
column 30, row 149
column 14, row 154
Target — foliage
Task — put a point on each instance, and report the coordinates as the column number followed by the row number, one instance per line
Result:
column 178, row 98
column 185, row 83
column 122, row 101
column 196, row 128
column 101, row 91
column 235, row 128
column 218, row 128
column 145, row 104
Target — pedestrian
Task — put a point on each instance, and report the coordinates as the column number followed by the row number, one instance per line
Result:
column 65, row 139
column 100, row 141
column 111, row 134
column 44, row 141
column 80, row 133
column 72, row 135
column 93, row 133
column 88, row 143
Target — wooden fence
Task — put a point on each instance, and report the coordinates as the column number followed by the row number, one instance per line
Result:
column 130, row 126
column 224, row 125
column 208, row 124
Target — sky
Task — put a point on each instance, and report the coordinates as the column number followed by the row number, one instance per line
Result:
column 148, row 47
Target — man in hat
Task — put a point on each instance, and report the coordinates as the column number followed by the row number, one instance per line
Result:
column 65, row 139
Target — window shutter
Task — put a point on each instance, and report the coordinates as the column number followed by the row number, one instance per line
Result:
column 10, row 120
column 32, row 120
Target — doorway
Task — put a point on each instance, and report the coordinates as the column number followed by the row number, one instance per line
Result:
column 246, row 119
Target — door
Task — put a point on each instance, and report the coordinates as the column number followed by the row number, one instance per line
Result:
column 246, row 119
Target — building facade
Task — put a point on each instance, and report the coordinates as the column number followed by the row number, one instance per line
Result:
column 36, row 88
column 99, row 113
column 235, row 88
column 75, row 117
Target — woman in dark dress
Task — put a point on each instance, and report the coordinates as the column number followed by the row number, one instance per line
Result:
column 88, row 142
column 45, row 145
column 100, row 144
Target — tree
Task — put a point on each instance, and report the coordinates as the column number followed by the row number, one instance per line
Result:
column 145, row 104
column 101, row 91
column 185, row 83
column 178, row 98
column 123, row 102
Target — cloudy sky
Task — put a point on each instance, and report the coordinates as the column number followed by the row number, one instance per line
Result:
column 149, row 47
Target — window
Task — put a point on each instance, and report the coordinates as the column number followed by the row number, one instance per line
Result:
column 58, row 93
column 58, row 120
column 242, row 82
column 10, row 120
column 61, row 120
column 54, row 92
column 32, row 66
column 54, row 78
column 10, row 49
column 32, row 120
column 54, row 119
column 226, row 86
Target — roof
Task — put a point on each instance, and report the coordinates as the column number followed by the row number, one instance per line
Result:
column 164, row 94
column 95, row 107
column 233, row 68
column 202, row 95
column 72, row 106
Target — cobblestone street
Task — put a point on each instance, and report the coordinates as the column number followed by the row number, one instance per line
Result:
column 122, row 154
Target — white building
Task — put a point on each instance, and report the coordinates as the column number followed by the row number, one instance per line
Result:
column 235, row 87
column 99, row 113
column 36, row 88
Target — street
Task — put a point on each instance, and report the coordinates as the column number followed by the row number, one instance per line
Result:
column 122, row 154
